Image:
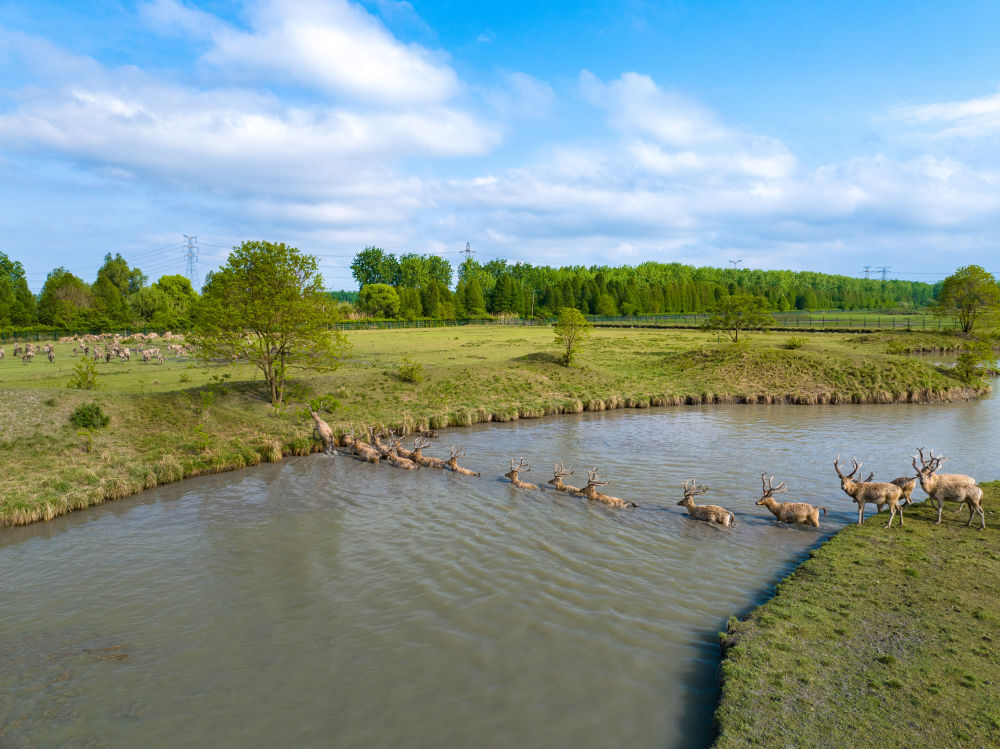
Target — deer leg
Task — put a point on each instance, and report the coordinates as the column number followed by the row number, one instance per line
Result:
column 892, row 511
column 861, row 512
column 940, row 510
column 982, row 516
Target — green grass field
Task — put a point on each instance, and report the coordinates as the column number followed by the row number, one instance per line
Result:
column 881, row 638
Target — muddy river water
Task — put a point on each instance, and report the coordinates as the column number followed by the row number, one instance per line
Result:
column 323, row 602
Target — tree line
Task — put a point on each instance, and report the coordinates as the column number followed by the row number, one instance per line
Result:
column 419, row 286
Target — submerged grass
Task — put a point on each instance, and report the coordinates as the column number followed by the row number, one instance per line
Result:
column 881, row 638
column 183, row 419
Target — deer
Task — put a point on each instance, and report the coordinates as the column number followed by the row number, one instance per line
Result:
column 877, row 492
column 425, row 460
column 707, row 513
column 787, row 512
column 514, row 470
column 322, row 431
column 558, row 474
column 906, row 483
column 590, row 492
column 363, row 450
column 949, row 487
column 393, row 455
column 452, row 462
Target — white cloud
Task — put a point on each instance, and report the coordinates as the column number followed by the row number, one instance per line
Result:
column 336, row 47
column 969, row 118
column 173, row 16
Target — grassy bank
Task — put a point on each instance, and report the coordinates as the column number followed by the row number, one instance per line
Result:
column 182, row 419
column 881, row 638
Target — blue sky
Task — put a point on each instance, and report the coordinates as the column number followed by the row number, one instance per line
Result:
column 800, row 135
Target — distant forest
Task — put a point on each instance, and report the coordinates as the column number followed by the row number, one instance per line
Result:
column 414, row 286
column 420, row 286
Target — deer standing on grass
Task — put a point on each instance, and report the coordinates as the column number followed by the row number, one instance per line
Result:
column 708, row 513
column 877, row 492
column 417, row 456
column 949, row 487
column 519, row 468
column 787, row 512
column 590, row 492
column 452, row 462
column 558, row 474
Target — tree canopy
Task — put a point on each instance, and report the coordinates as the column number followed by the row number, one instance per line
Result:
column 968, row 294
column 267, row 306
column 734, row 314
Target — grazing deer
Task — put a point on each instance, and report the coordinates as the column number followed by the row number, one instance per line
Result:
column 558, row 474
column 452, row 462
column 417, row 456
column 590, row 492
column 514, row 470
column 787, row 512
column 877, row 492
column 708, row 513
column 949, row 487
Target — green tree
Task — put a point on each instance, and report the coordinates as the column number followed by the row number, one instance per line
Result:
column 475, row 303
column 570, row 329
column 17, row 303
column 127, row 280
column 375, row 265
column 736, row 313
column 968, row 294
column 266, row 306
column 65, row 300
column 379, row 300
column 975, row 361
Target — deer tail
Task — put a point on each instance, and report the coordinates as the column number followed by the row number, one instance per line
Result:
column 824, row 511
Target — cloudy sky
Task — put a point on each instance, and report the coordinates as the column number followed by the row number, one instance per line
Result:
column 800, row 135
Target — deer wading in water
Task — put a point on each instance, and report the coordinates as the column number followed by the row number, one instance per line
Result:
column 707, row 513
column 787, row 512
column 521, row 467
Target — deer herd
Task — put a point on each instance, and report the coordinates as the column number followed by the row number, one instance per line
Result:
column 895, row 494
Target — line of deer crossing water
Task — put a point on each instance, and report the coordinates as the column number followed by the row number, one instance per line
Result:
column 328, row 601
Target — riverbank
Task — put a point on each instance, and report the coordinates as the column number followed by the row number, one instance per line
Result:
column 881, row 638
column 183, row 419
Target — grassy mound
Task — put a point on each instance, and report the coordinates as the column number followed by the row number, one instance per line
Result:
column 881, row 638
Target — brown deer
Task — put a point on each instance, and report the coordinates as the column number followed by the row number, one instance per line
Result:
column 519, row 468
column 787, row 512
column 906, row 483
column 363, row 450
column 393, row 455
column 322, row 431
column 417, row 455
column 452, row 462
column 707, row 513
column 877, row 492
column 590, row 492
column 558, row 474
column 949, row 487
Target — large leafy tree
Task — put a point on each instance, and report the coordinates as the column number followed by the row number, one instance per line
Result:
column 65, row 300
column 379, row 300
column 17, row 303
column 734, row 314
column 266, row 306
column 375, row 265
column 968, row 294
column 570, row 329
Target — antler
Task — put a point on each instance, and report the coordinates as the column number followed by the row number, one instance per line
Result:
column 457, row 452
column 559, row 472
column 870, row 477
column 592, row 479
column 522, row 466
column 693, row 490
column 767, row 484
column 420, row 443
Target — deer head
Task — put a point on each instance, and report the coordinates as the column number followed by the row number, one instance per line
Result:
column 929, row 464
column 593, row 480
column 457, row 452
column 769, row 489
column 691, row 490
column 848, row 480
column 420, row 443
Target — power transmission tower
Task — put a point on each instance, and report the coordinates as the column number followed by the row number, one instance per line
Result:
column 884, row 269
column 736, row 263
column 868, row 270
column 468, row 251
column 191, row 271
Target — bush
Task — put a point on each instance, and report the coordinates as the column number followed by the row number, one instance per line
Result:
column 84, row 375
column 89, row 416
column 794, row 342
column 410, row 371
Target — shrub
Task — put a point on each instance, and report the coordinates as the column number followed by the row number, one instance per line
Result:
column 84, row 375
column 89, row 416
column 794, row 342
column 410, row 371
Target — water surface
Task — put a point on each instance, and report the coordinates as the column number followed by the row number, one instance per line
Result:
column 326, row 602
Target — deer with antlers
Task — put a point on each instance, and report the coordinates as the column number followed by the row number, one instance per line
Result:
column 949, row 487
column 707, row 513
column 787, row 512
column 558, row 474
column 418, row 457
column 394, row 457
column 878, row 493
column 590, row 492
column 521, row 467
column 362, row 449
column 452, row 462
